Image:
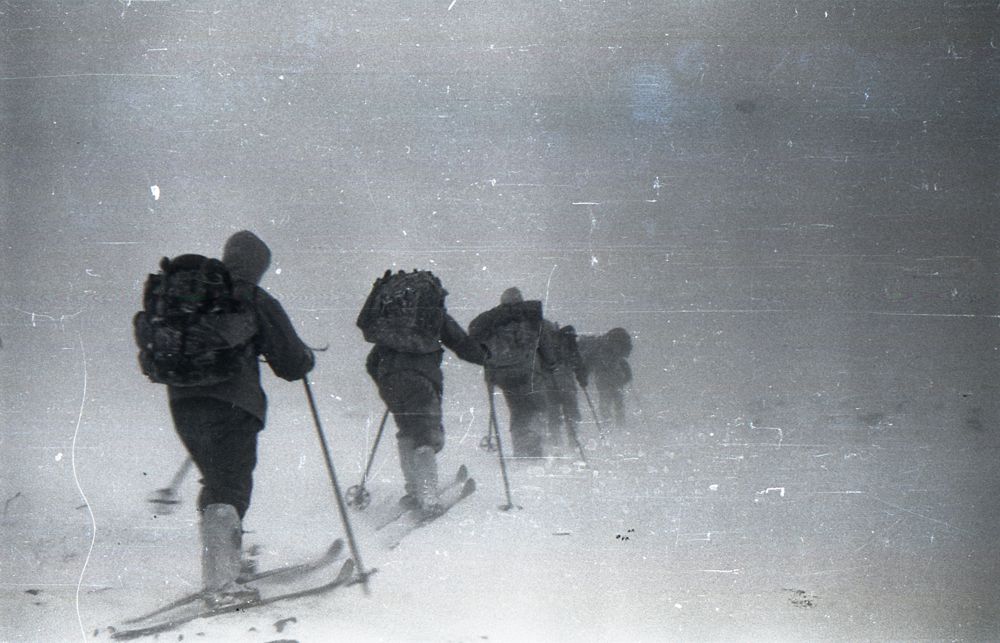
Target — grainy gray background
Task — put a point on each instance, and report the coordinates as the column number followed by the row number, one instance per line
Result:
column 791, row 205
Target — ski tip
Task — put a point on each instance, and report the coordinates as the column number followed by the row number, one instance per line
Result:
column 335, row 548
column 469, row 486
column 463, row 473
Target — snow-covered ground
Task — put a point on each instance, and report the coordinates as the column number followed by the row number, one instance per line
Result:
column 800, row 489
column 792, row 208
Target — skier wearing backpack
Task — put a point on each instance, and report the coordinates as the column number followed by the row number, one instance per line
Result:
column 202, row 328
column 520, row 359
column 606, row 356
column 405, row 317
column 568, row 371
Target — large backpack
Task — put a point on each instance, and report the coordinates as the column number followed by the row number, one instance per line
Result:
column 619, row 342
column 567, row 346
column 192, row 330
column 511, row 334
column 405, row 312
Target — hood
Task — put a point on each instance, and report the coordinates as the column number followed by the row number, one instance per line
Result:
column 246, row 256
column 511, row 296
column 620, row 341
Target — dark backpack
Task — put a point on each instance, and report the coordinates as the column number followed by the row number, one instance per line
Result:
column 567, row 347
column 510, row 333
column 619, row 342
column 405, row 312
column 192, row 330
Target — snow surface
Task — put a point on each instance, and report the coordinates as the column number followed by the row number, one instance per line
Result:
column 792, row 208
column 851, row 499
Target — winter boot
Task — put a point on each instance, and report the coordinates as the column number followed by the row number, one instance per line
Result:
column 248, row 563
column 426, row 479
column 527, row 443
column 554, row 434
column 221, row 542
column 406, row 448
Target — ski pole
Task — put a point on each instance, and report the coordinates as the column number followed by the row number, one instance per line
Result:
column 178, row 478
column 503, row 467
column 358, row 496
column 168, row 495
column 336, row 489
column 486, row 442
column 592, row 411
column 571, row 429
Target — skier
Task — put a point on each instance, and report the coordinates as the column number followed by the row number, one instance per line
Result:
column 405, row 317
column 606, row 356
column 216, row 401
column 568, row 371
column 519, row 359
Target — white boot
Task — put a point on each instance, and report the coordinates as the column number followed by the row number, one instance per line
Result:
column 221, row 542
column 406, row 448
column 426, row 479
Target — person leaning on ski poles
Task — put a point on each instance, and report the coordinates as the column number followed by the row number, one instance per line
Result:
column 411, row 385
column 218, row 424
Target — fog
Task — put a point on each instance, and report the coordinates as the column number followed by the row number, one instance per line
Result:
column 790, row 207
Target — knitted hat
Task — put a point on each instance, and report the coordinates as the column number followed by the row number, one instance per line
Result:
column 246, row 256
column 511, row 296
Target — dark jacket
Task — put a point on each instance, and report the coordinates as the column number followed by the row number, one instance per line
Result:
column 606, row 360
column 529, row 313
column 382, row 360
column 568, row 358
column 247, row 258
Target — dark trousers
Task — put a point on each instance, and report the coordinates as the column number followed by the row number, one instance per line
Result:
column 564, row 410
column 415, row 405
column 527, row 402
column 222, row 441
column 611, row 402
